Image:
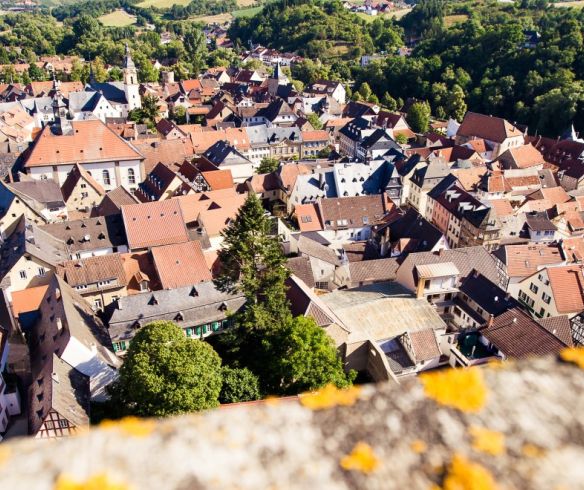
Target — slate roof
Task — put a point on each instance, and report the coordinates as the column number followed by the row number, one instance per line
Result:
column 413, row 226
column 487, row 294
column 198, row 304
column 112, row 91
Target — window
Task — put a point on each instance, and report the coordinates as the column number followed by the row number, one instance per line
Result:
column 533, row 288
column 97, row 304
column 120, row 346
column 322, row 285
column 63, row 423
column 106, row 177
column 83, row 186
column 131, row 176
column 542, row 312
column 84, row 195
column 22, row 274
column 42, row 271
column 546, row 298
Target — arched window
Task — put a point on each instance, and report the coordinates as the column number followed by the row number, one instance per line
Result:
column 131, row 176
column 106, row 177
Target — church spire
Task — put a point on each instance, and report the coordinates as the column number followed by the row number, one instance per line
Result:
column 128, row 61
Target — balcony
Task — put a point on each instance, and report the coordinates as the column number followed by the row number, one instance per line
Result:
column 470, row 351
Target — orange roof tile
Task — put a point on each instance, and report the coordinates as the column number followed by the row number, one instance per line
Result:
column 567, row 285
column 218, row 179
column 154, row 223
column 526, row 156
column 307, row 216
column 524, row 260
column 180, row 264
column 573, row 249
column 137, row 267
column 91, row 141
column 28, row 299
column 502, row 207
column 316, row 135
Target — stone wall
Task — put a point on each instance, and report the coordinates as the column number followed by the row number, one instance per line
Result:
column 517, row 426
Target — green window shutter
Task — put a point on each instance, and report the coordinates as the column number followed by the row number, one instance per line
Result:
column 198, row 330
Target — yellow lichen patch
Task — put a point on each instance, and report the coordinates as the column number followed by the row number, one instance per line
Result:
column 463, row 389
column 362, row 458
column 532, row 451
column 132, row 426
column 96, row 482
column 573, row 354
column 463, row 474
column 272, row 400
column 487, row 441
column 419, row 446
column 330, row 396
column 5, row 453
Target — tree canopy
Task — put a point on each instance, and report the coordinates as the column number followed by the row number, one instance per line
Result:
column 166, row 373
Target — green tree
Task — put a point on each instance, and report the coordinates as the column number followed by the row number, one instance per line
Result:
column 239, row 385
column 455, row 105
column 314, row 121
column 36, row 73
column 418, row 117
column 179, row 114
column 308, row 359
column 268, row 165
column 365, row 91
column 166, row 373
column 402, row 139
column 389, row 102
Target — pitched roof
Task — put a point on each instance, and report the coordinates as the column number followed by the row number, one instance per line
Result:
column 308, row 218
column 524, row 260
column 89, row 233
column 218, row 179
column 490, row 297
column 524, row 156
column 93, row 269
column 180, row 264
column 91, row 141
column 353, row 212
column 28, row 299
column 518, row 336
column 425, row 345
column 154, row 223
column 311, row 248
column 567, row 286
column 301, row 267
column 559, row 326
column 113, row 201
column 46, row 192
column 79, row 173
column 373, row 270
column 169, row 152
column 487, row 127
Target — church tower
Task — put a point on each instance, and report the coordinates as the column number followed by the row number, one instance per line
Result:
column 61, row 125
column 276, row 79
column 131, row 86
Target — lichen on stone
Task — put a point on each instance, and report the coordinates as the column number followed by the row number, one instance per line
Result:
column 5, row 453
column 419, row 446
column 463, row 389
column 487, row 441
column 573, row 354
column 463, row 474
column 131, row 426
column 362, row 458
column 532, row 451
column 330, row 396
column 96, row 482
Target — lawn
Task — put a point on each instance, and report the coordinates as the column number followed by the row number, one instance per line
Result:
column 450, row 20
column 214, row 19
column 398, row 14
column 577, row 4
column 246, row 3
column 117, row 18
column 250, row 12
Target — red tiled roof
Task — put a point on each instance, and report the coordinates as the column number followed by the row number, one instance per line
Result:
column 218, row 179
column 91, row 141
column 567, row 285
column 180, row 264
column 28, row 299
column 154, row 223
column 487, row 127
column 307, row 216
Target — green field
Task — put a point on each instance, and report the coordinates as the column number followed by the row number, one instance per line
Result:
column 450, row 20
column 162, row 4
column 250, row 12
column 577, row 4
column 398, row 14
column 117, row 18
